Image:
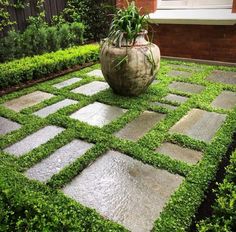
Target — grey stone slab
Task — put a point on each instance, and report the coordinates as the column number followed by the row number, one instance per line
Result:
column 91, row 88
column 95, row 73
column 124, row 190
column 34, row 140
column 176, row 73
column 43, row 113
column 98, row 114
column 186, row 87
column 170, row 107
column 28, row 100
column 199, row 124
column 61, row 158
column 140, row 126
column 67, row 82
column 180, row 153
column 156, row 82
column 226, row 100
column 176, row 98
column 7, row 126
column 223, row 77
column 187, row 67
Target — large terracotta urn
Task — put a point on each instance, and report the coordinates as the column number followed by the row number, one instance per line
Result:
column 130, row 67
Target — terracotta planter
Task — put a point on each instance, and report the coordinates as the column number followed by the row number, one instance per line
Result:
column 131, row 68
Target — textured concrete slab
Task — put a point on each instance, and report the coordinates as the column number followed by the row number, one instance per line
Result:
column 140, row 126
column 156, row 82
column 226, row 100
column 124, row 190
column 91, row 88
column 176, row 73
column 67, row 82
column 199, row 124
column 223, row 77
column 95, row 73
column 28, row 100
column 43, row 113
column 98, row 114
column 176, row 98
column 170, row 107
column 34, row 140
column 7, row 126
column 186, row 87
column 180, row 153
column 61, row 158
column 187, row 67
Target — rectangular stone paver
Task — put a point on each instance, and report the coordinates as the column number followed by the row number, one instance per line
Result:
column 7, row 126
column 140, row 126
column 98, row 114
column 61, row 158
column 199, row 124
column 175, row 98
column 170, row 107
column 175, row 73
column 124, row 190
column 67, row 82
column 34, row 140
column 91, row 88
column 43, row 113
column 186, row 87
column 28, row 100
column 226, row 100
column 180, row 153
column 95, row 73
column 223, row 77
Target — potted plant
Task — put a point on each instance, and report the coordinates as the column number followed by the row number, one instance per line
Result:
column 129, row 62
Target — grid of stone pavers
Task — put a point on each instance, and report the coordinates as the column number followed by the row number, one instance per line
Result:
column 120, row 185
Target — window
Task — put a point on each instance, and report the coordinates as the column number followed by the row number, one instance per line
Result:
column 198, row 4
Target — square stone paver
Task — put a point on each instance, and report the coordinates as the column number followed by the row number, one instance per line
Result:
column 186, row 87
column 91, row 88
column 67, row 82
column 226, row 100
column 176, row 73
column 140, row 126
column 61, row 158
column 199, row 124
column 223, row 77
column 187, row 67
column 43, row 113
column 34, row 140
column 7, row 126
column 98, row 114
column 164, row 105
column 124, row 190
column 95, row 73
column 156, row 82
column 180, row 153
column 28, row 100
column 175, row 98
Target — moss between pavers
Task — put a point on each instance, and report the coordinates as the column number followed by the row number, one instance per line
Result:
column 39, row 199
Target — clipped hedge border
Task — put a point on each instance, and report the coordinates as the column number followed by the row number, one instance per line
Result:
column 33, row 68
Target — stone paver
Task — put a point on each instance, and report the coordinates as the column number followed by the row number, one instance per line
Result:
column 91, row 88
column 199, row 124
column 67, row 82
column 187, row 67
column 34, row 140
column 98, row 114
column 7, row 126
column 176, row 73
column 140, row 126
column 170, row 107
column 124, row 190
column 95, row 73
column 28, row 100
column 223, row 77
column 186, row 87
column 176, row 98
column 180, row 153
column 226, row 100
column 43, row 113
column 61, row 158
column 156, row 82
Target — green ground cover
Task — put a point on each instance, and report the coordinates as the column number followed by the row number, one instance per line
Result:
column 43, row 207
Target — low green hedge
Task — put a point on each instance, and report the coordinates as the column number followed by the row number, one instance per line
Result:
column 31, row 68
column 224, row 210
